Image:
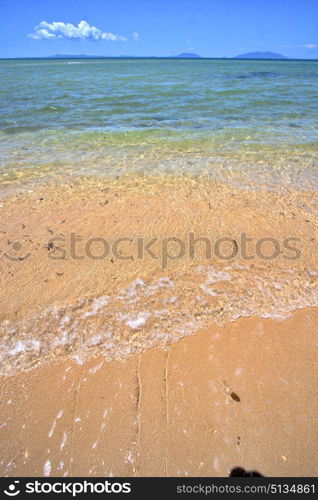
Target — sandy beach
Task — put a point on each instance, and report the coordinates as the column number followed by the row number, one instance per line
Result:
column 158, row 243
column 238, row 395
column 184, row 359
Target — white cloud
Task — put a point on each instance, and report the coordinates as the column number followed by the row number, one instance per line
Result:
column 83, row 31
column 310, row 46
column 136, row 35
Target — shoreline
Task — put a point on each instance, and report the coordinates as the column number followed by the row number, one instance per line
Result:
column 158, row 258
column 202, row 406
column 131, row 367
column 129, row 264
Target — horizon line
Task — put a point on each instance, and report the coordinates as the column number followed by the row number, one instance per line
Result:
column 196, row 57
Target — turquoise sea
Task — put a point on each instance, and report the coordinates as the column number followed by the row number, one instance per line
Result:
column 245, row 121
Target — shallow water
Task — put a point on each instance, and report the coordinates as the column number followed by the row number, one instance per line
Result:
column 134, row 280
column 240, row 121
column 125, row 125
column 154, row 314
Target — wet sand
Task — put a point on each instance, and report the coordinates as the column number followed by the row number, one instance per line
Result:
column 149, row 366
column 240, row 395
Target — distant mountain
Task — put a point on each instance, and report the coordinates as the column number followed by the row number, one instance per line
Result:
column 69, row 56
column 185, row 55
column 260, row 55
column 188, row 55
column 125, row 56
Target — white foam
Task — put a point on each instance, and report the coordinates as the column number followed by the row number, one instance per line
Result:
column 96, row 368
column 24, row 346
column 129, row 293
column 216, row 463
column 215, row 276
column 96, row 339
column 51, row 431
column 138, row 282
column 208, row 290
column 129, row 457
column 79, row 358
column 97, row 304
column 141, row 304
column 47, row 468
column 62, row 340
column 64, row 439
column 138, row 321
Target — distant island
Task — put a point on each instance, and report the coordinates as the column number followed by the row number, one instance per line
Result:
column 189, row 55
column 184, row 55
column 71, row 56
column 260, row 55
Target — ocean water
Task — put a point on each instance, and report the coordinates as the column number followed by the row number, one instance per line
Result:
column 247, row 122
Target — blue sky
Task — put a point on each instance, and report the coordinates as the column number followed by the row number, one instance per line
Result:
column 211, row 28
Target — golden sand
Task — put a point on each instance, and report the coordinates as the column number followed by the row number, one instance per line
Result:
column 239, row 395
column 186, row 363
